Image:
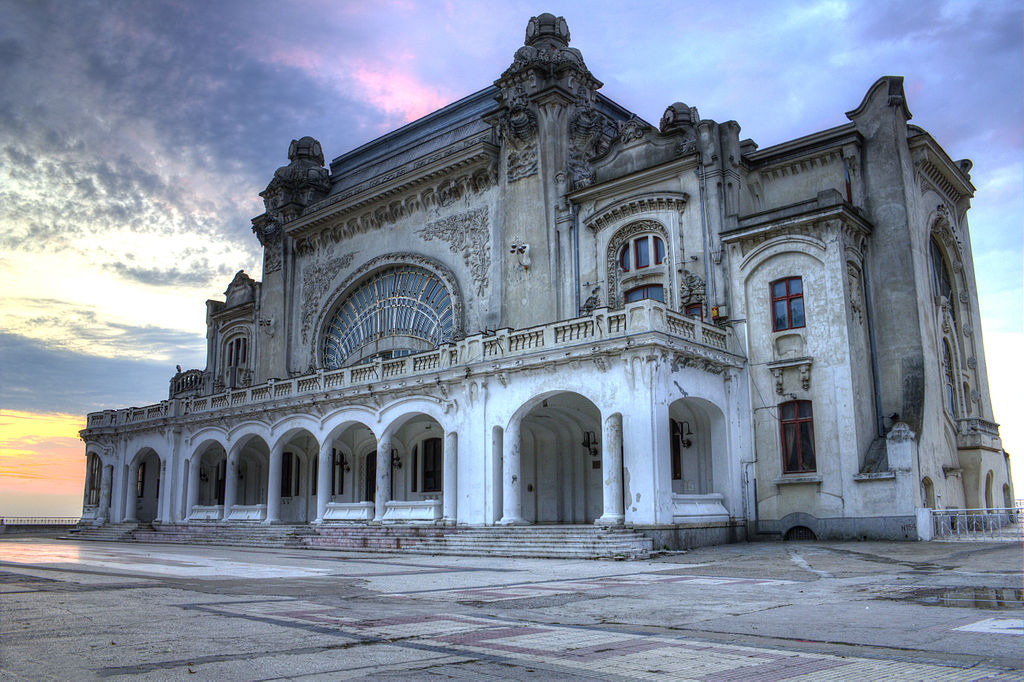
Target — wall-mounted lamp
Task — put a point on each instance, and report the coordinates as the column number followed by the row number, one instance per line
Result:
column 396, row 461
column 590, row 442
column 203, row 476
column 686, row 442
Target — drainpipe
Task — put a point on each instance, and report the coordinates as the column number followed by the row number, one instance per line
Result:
column 709, row 282
column 576, row 253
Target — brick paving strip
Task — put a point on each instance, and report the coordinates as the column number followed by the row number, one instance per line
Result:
column 605, row 653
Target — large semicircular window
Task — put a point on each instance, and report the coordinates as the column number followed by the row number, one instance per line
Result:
column 394, row 312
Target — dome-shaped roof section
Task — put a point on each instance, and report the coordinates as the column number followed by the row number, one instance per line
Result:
column 549, row 28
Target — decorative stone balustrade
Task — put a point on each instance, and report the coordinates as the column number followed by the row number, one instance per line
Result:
column 187, row 383
column 643, row 317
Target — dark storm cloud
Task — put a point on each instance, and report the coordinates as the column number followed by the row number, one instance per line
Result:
column 199, row 273
column 35, row 377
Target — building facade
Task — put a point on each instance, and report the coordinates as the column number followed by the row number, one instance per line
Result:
column 533, row 307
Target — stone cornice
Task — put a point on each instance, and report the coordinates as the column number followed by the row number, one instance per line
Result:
column 634, row 181
column 635, row 205
column 437, row 178
column 803, row 218
column 935, row 166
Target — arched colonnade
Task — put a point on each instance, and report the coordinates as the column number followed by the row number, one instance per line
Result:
column 556, row 458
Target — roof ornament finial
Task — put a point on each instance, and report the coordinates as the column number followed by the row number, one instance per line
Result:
column 548, row 28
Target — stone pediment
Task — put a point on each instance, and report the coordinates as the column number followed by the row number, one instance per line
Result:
column 242, row 290
column 639, row 146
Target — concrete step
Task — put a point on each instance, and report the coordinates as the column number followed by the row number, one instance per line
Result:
column 517, row 541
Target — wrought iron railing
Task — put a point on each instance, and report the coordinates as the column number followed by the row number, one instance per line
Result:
column 1002, row 524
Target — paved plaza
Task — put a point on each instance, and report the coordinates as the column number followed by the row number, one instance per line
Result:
column 81, row 610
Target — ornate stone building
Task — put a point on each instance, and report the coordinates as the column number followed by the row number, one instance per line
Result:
column 534, row 307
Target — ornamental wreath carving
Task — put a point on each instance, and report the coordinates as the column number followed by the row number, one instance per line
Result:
column 468, row 233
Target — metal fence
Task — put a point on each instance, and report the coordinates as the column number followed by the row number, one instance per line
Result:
column 38, row 520
column 1003, row 524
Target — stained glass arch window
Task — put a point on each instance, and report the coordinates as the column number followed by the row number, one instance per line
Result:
column 396, row 311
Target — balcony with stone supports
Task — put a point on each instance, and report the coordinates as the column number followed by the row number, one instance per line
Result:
column 600, row 337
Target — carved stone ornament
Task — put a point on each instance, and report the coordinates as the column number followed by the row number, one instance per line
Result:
column 316, row 278
column 592, row 302
column 901, row 433
column 633, row 129
column 469, row 234
column 612, row 261
column 972, row 362
column 856, row 299
column 442, row 273
column 585, row 134
column 518, row 129
column 302, row 182
column 691, row 288
column 546, row 49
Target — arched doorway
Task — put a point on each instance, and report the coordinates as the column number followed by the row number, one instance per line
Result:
column 417, row 469
column 560, row 460
column 207, row 476
column 245, row 487
column 350, row 469
column 144, row 486
column 297, row 486
column 697, row 461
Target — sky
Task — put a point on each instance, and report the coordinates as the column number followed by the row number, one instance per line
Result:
column 136, row 136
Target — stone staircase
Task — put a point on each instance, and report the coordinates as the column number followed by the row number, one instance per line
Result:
column 554, row 542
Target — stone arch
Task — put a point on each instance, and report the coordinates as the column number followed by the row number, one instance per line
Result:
column 990, row 502
column 552, row 450
column 351, row 441
column 658, row 274
column 245, row 495
column 340, row 294
column 1007, row 496
column 208, row 465
column 697, row 461
column 292, row 471
column 144, row 485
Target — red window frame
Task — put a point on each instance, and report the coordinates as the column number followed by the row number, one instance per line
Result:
column 790, row 300
column 796, row 434
column 644, row 293
column 630, row 252
column 695, row 310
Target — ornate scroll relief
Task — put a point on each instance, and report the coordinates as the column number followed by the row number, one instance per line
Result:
column 468, row 233
column 315, row 280
column 584, row 129
column 518, row 128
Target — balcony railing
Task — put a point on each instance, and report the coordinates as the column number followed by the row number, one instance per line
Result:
column 602, row 325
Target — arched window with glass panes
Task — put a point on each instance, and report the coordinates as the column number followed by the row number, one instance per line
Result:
column 393, row 312
column 638, row 264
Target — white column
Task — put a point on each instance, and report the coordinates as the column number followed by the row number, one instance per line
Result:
column 450, row 478
column 611, row 468
column 324, row 474
column 161, row 515
column 511, row 475
column 193, row 484
column 274, row 484
column 131, row 492
column 105, row 482
column 383, row 495
column 230, row 482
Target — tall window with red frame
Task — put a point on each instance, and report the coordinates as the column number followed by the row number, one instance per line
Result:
column 796, row 425
column 787, row 303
